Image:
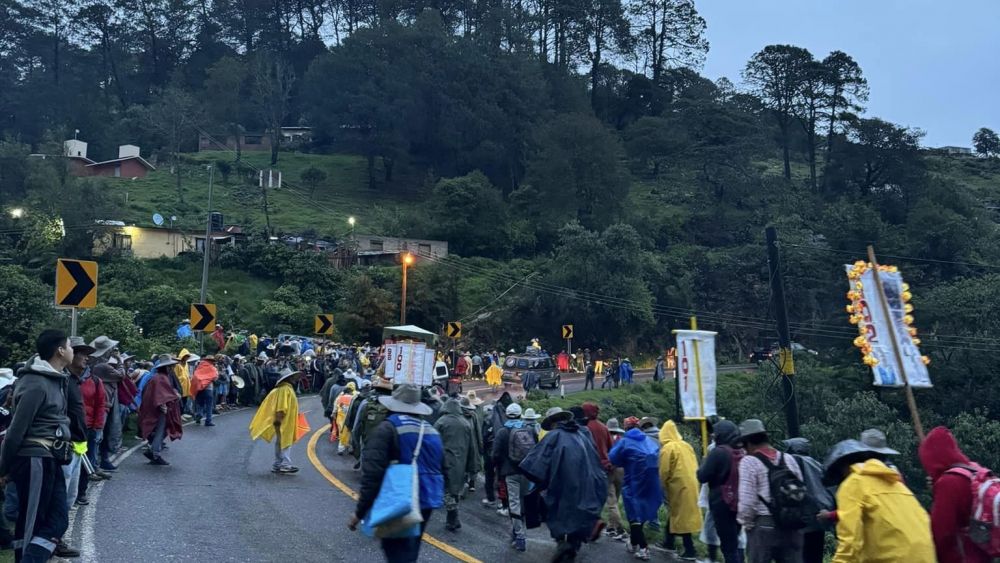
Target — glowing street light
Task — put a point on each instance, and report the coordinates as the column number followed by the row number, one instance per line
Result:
column 17, row 213
column 407, row 260
column 350, row 221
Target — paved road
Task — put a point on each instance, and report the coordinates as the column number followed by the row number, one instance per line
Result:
column 219, row 502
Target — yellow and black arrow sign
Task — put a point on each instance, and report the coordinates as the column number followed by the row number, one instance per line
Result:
column 453, row 330
column 76, row 283
column 324, row 324
column 203, row 317
column 567, row 332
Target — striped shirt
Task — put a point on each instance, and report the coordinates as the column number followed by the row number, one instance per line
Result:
column 754, row 485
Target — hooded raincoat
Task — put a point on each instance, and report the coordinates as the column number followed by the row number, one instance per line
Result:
column 678, row 468
column 204, row 376
column 160, row 392
column 880, row 521
column 494, row 375
column 952, row 498
column 459, row 454
column 281, row 399
column 565, row 465
column 182, row 373
column 638, row 454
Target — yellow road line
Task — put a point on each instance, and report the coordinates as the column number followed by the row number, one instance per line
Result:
column 314, row 459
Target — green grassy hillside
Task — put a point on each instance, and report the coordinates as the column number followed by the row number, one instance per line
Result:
column 294, row 208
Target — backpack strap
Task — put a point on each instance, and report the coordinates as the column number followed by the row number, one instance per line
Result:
column 967, row 471
column 767, row 462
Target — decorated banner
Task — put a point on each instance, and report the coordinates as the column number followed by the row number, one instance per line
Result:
column 878, row 320
column 696, row 370
column 409, row 362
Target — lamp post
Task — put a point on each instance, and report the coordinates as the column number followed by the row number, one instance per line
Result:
column 407, row 261
column 354, row 244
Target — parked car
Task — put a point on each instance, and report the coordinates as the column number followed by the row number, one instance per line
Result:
column 516, row 367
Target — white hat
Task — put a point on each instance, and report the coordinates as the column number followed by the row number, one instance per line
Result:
column 6, row 377
column 513, row 410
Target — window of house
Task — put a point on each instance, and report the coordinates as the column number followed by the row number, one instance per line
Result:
column 121, row 241
column 252, row 140
column 424, row 249
column 199, row 245
column 376, row 245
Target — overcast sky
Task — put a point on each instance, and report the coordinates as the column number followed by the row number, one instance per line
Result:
column 930, row 64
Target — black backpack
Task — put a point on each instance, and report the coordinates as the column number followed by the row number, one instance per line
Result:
column 521, row 441
column 791, row 506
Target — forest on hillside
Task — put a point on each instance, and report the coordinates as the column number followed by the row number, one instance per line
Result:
column 579, row 165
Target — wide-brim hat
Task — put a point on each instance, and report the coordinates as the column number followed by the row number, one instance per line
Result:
column 473, row 398
column 80, row 346
column 649, row 421
column 614, row 426
column 876, row 441
column 843, row 452
column 530, row 414
column 466, row 404
column 166, row 360
column 405, row 399
column 262, row 357
column 6, row 377
column 238, row 382
column 192, row 358
column 554, row 416
column 102, row 345
column 209, row 358
column 285, row 374
column 126, row 357
column 751, row 427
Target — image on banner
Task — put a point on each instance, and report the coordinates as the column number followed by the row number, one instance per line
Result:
column 696, row 368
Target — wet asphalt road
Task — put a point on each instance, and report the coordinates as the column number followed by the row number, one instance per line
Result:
column 219, row 502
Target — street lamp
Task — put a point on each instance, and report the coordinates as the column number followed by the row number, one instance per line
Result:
column 407, row 261
column 17, row 213
column 354, row 244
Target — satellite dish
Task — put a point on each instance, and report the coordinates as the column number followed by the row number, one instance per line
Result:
column 173, row 217
column 157, row 219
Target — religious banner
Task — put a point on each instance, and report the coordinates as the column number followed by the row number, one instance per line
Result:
column 409, row 362
column 697, row 373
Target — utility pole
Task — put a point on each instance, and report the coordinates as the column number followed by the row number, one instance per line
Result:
column 785, row 363
column 208, row 237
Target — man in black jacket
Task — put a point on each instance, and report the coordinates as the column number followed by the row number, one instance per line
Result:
column 35, row 448
column 715, row 471
column 77, row 431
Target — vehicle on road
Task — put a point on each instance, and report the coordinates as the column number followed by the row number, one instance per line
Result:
column 517, row 366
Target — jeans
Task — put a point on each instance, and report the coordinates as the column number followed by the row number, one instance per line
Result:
column 112, row 432
column 205, row 402
column 516, row 485
column 765, row 544
column 71, row 473
column 812, row 546
column 281, row 457
column 489, row 474
column 729, row 532
column 405, row 550
column 94, row 439
column 43, row 515
column 159, row 433
column 589, row 382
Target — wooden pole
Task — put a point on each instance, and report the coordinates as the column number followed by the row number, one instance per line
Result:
column 701, row 391
column 911, row 402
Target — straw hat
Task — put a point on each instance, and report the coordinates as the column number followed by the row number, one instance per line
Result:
column 166, row 360
column 473, row 398
column 6, row 377
column 530, row 414
column 554, row 416
column 405, row 399
column 285, row 374
column 102, row 345
column 80, row 346
column 238, row 382
column 614, row 427
column 876, row 441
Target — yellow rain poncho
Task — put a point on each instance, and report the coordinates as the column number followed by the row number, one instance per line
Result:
column 879, row 519
column 341, row 406
column 182, row 373
column 494, row 375
column 281, row 399
column 678, row 476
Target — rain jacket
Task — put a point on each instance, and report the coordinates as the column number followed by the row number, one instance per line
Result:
column 678, row 468
column 281, row 399
column 459, row 454
column 599, row 432
column 94, row 402
column 575, row 485
column 812, row 476
column 184, row 331
column 340, row 407
column 638, row 454
column 40, row 413
column 717, row 466
column 880, row 519
column 159, row 392
column 952, row 499
column 494, row 375
column 203, row 378
column 183, row 374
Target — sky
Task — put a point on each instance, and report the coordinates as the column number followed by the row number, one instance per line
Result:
column 930, row 64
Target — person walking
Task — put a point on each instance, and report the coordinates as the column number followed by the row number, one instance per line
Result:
column 396, row 440
column 720, row 470
column 769, row 538
column 638, row 455
column 37, row 445
column 459, row 457
column 107, row 371
column 567, row 468
column 678, row 467
column 160, row 411
column 625, row 372
column 814, row 535
column 183, row 375
column 277, row 419
column 203, row 389
column 589, row 371
column 952, row 475
column 341, row 405
column 472, row 413
column 512, row 443
column 879, row 519
column 616, row 481
column 660, row 372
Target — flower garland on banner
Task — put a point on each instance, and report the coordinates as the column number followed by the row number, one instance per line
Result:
column 857, row 311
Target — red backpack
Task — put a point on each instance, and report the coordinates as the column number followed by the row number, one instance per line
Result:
column 984, row 518
column 731, row 488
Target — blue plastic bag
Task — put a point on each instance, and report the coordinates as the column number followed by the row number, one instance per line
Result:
column 396, row 510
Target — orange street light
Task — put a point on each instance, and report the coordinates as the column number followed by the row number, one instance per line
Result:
column 407, row 260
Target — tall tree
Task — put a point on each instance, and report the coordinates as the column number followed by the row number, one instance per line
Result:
column 272, row 84
column 776, row 74
column 846, row 91
column 671, row 34
column 986, row 142
column 224, row 95
column 604, row 29
column 809, row 107
column 173, row 118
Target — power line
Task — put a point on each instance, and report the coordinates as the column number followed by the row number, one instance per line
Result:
column 896, row 257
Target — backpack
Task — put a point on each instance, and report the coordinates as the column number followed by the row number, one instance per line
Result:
column 984, row 515
column 731, row 488
column 791, row 506
column 520, row 443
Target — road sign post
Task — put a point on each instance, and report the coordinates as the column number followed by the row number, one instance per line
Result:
column 323, row 324
column 567, row 334
column 202, row 317
column 76, row 287
column 453, row 330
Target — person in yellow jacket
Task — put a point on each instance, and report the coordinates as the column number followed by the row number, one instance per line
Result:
column 277, row 419
column 679, row 479
column 879, row 519
column 340, row 407
column 183, row 375
column 494, row 376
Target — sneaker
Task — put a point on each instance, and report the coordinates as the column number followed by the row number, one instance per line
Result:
column 642, row 554
column 503, row 512
column 186, row 417
column 197, row 419
column 472, row 488
column 621, row 535
column 65, row 551
column 159, row 461
column 103, row 475
column 521, row 544
column 629, row 548
column 96, row 476
column 287, row 470
column 357, row 466
column 209, row 424
column 108, row 466
column 149, row 455
column 487, row 503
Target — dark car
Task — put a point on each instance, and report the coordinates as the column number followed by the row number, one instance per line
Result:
column 517, row 367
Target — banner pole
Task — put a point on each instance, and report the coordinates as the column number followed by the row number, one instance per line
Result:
column 701, row 391
column 911, row 401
